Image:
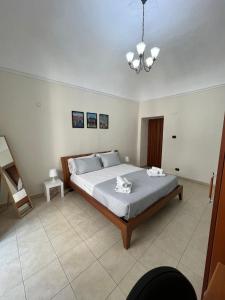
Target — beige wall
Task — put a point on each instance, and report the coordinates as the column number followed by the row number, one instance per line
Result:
column 35, row 116
column 196, row 119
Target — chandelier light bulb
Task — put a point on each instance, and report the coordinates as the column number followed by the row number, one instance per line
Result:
column 130, row 56
column 155, row 52
column 149, row 61
column 136, row 63
column 141, row 48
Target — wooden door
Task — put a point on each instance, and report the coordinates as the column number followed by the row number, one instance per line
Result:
column 155, row 140
column 216, row 245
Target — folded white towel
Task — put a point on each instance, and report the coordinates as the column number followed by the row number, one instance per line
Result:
column 123, row 182
column 123, row 185
column 158, row 170
column 155, row 173
column 123, row 190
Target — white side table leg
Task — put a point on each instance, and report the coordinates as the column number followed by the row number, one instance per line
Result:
column 62, row 191
column 48, row 194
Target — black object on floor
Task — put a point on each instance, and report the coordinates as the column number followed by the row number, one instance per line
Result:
column 163, row 283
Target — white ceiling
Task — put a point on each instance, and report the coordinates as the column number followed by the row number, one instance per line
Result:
column 84, row 43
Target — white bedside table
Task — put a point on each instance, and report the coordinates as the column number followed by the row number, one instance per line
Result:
column 52, row 184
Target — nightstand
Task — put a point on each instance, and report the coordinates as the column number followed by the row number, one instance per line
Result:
column 52, row 184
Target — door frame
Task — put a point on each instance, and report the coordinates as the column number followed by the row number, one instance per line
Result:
column 213, row 256
column 155, row 118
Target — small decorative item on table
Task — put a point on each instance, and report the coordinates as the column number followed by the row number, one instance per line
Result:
column 91, row 120
column 103, row 121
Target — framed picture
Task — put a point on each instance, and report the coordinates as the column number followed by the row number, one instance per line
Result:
column 77, row 119
column 91, row 120
column 103, row 121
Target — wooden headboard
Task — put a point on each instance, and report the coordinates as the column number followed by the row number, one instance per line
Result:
column 65, row 167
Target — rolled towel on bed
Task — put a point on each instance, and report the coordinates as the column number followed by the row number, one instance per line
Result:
column 123, row 182
column 123, row 185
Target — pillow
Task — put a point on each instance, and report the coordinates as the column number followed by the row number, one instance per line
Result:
column 71, row 162
column 99, row 154
column 110, row 159
column 87, row 165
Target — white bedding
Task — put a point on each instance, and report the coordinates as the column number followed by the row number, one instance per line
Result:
column 88, row 181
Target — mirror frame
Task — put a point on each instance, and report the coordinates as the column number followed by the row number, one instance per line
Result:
column 24, row 200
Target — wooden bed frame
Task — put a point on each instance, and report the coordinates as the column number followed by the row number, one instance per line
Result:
column 126, row 226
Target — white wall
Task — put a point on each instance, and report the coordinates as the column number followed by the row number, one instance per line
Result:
column 196, row 119
column 35, row 117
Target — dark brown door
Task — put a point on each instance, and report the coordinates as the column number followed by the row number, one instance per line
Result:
column 216, row 245
column 155, row 140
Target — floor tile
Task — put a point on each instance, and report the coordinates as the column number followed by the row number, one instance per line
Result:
column 94, row 283
column 89, row 227
column 116, row 295
column 178, row 231
column 8, row 251
column 36, row 258
column 46, row 283
column 65, row 241
column 65, row 294
column 194, row 259
column 140, row 243
column 32, row 241
column 131, row 278
column 17, row 293
column 76, row 260
column 27, row 226
column 10, row 275
column 104, row 239
column 58, row 228
column 77, row 217
column 156, row 257
column 174, row 244
column 117, row 261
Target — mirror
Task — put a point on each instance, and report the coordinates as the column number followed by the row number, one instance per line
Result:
column 10, row 178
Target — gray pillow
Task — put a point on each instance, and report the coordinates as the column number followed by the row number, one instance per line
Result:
column 110, row 159
column 86, row 165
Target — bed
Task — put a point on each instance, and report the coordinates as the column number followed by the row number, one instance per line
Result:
column 126, row 211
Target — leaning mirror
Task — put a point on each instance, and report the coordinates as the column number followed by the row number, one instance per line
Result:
column 11, row 183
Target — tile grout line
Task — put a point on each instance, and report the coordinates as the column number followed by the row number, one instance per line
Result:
column 25, row 294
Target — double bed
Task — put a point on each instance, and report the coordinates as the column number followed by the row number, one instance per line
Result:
column 126, row 211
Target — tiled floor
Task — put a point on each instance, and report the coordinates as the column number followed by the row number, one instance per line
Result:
column 66, row 250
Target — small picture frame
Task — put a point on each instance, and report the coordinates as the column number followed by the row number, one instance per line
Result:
column 91, row 120
column 103, row 121
column 77, row 119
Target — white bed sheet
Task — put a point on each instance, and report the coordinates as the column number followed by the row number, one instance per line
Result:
column 88, row 181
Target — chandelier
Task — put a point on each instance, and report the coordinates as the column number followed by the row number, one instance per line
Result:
column 141, row 63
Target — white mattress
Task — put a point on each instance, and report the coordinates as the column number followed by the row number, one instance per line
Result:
column 88, row 181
